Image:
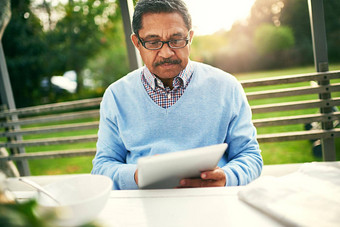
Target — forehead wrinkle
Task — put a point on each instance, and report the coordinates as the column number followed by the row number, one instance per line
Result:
column 180, row 34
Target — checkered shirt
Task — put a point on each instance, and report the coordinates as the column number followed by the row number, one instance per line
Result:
column 161, row 95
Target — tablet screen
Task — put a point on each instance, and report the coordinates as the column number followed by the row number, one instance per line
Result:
column 166, row 170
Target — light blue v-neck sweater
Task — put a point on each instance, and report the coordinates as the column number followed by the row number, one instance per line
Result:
column 212, row 110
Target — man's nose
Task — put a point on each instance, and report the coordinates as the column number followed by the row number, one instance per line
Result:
column 166, row 51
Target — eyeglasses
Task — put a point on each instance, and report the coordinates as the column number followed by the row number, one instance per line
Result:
column 156, row 45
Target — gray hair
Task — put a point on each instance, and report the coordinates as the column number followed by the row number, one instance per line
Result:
column 159, row 6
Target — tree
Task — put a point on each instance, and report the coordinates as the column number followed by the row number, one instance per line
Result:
column 295, row 14
column 110, row 63
column 78, row 36
column 332, row 9
column 270, row 39
column 23, row 44
column 38, row 48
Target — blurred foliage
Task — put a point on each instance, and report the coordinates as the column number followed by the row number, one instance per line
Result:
column 20, row 215
column 24, row 214
column 78, row 36
column 24, row 47
column 270, row 39
column 110, row 63
column 84, row 36
column 204, row 47
column 277, row 34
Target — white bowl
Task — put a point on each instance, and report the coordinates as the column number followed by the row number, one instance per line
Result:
column 81, row 199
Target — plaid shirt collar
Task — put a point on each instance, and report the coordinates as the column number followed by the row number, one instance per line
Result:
column 182, row 79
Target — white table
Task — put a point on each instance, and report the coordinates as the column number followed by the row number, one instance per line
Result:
column 181, row 207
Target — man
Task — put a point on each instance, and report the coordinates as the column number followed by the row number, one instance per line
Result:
column 174, row 104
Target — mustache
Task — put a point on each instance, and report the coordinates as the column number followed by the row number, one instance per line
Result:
column 167, row 61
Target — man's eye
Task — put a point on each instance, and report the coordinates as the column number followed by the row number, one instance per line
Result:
column 177, row 42
column 153, row 42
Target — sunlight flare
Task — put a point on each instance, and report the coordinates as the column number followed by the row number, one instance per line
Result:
column 214, row 15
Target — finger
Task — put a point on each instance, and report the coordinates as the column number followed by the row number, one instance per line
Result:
column 195, row 183
column 190, row 183
column 216, row 174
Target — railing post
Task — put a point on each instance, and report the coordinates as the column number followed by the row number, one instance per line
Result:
column 317, row 21
column 7, row 99
column 135, row 60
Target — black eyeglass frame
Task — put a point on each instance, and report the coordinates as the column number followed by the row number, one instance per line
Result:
column 163, row 42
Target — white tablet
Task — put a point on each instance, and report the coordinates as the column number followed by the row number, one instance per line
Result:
column 166, row 170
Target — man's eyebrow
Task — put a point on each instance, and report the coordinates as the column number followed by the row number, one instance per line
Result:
column 175, row 35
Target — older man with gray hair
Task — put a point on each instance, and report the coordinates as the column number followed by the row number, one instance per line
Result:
column 172, row 104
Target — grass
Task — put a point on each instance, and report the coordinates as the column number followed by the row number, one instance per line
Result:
column 273, row 153
column 61, row 166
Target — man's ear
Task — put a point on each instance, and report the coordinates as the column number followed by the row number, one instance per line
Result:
column 135, row 41
column 191, row 36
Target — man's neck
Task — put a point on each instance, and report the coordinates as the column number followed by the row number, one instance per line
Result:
column 167, row 82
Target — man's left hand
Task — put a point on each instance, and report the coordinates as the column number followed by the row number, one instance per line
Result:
column 213, row 178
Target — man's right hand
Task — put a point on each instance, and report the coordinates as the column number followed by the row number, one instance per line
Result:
column 136, row 176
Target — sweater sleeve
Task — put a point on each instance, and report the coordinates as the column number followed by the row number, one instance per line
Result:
column 110, row 159
column 244, row 162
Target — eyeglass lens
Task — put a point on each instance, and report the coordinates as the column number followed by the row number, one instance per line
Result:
column 180, row 43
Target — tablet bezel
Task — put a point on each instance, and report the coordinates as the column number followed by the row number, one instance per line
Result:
column 166, row 170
